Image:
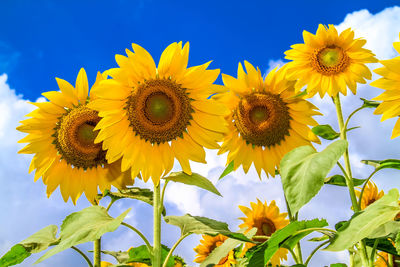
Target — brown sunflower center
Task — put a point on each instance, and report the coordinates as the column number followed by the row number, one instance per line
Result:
column 329, row 60
column 268, row 227
column 159, row 110
column 262, row 119
column 74, row 138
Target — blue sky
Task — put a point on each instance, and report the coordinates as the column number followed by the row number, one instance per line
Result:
column 41, row 40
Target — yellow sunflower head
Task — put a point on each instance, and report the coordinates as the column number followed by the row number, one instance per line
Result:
column 158, row 113
column 207, row 245
column 267, row 219
column 267, row 119
column 390, row 82
column 329, row 62
column 61, row 136
column 370, row 195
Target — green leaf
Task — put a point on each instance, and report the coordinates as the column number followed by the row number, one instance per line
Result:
column 338, row 265
column 264, row 252
column 15, row 255
column 194, row 179
column 325, row 131
column 390, row 228
column 383, row 164
column 202, row 225
column 37, row 242
column 141, row 254
column 227, row 170
column 220, row 252
column 84, row 226
column 341, row 181
column 142, row 194
column 303, row 171
column 318, row 239
column 366, row 222
column 369, row 103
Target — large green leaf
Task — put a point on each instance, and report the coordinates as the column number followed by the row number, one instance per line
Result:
column 203, row 225
column 303, row 171
column 341, row 181
column 325, row 131
column 227, row 170
column 220, row 252
column 84, row 226
column 397, row 243
column 264, row 252
column 365, row 223
column 194, row 179
column 383, row 164
column 37, row 242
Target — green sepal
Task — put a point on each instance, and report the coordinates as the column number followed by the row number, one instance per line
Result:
column 339, row 180
column 194, row 179
column 227, row 170
column 369, row 103
column 303, row 171
column 201, row 225
column 325, row 131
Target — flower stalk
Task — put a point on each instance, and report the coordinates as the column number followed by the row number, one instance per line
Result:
column 157, row 226
column 349, row 176
column 96, row 253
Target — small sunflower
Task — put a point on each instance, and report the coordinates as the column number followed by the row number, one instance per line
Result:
column 267, row 119
column 158, row 113
column 328, row 62
column 370, row 194
column 207, row 245
column 267, row 219
column 61, row 135
column 390, row 82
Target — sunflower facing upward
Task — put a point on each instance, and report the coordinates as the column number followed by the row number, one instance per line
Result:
column 267, row 219
column 328, row 62
column 208, row 244
column 159, row 113
column 61, row 135
column 267, row 119
column 390, row 82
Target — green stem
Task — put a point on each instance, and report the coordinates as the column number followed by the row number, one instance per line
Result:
column 293, row 255
column 96, row 254
column 110, row 204
column 314, row 251
column 157, row 226
column 261, row 237
column 163, row 192
column 390, row 260
column 83, row 255
column 351, row 115
column 316, row 229
column 174, row 247
column 351, row 259
column 373, row 252
column 349, row 176
column 297, row 248
column 365, row 184
column 141, row 235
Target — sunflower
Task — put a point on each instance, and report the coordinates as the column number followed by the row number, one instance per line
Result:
column 267, row 219
column 61, row 135
column 370, row 194
column 390, row 81
column 267, row 119
column 158, row 114
column 207, row 245
column 328, row 62
column 384, row 258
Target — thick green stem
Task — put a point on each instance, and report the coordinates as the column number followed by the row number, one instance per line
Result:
column 157, row 226
column 96, row 253
column 349, row 176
